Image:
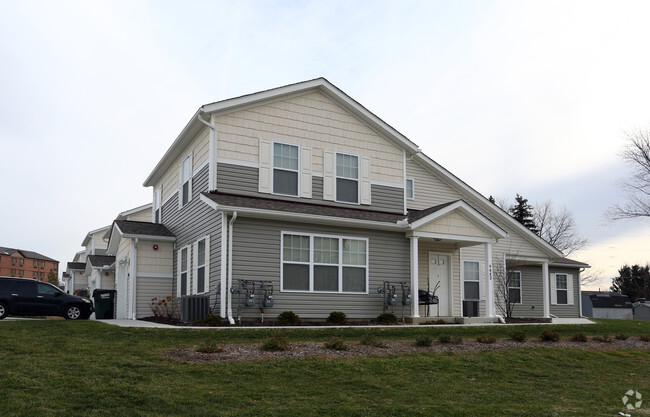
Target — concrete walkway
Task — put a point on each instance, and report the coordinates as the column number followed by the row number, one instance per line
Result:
column 148, row 324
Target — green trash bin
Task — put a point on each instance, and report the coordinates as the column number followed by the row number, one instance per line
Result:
column 104, row 304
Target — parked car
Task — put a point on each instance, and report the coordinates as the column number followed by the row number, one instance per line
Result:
column 29, row 297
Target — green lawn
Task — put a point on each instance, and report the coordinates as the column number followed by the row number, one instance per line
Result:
column 67, row 368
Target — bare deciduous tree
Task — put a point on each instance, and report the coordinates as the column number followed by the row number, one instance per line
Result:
column 558, row 228
column 505, row 299
column 637, row 187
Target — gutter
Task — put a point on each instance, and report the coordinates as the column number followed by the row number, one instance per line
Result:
column 230, row 223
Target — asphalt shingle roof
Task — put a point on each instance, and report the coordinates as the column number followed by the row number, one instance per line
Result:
column 143, row 228
column 101, row 260
column 26, row 254
column 76, row 265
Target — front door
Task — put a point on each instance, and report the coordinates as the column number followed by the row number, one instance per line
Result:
column 439, row 273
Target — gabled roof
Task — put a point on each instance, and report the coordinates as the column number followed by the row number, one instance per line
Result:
column 90, row 234
column 142, row 230
column 25, row 254
column 123, row 215
column 194, row 126
column 267, row 96
column 568, row 262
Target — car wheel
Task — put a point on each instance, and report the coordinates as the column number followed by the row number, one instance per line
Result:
column 72, row 312
column 3, row 311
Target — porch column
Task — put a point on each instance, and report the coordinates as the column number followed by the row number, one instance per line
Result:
column 489, row 308
column 415, row 307
column 547, row 295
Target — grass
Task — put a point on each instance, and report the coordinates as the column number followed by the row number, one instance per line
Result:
column 62, row 368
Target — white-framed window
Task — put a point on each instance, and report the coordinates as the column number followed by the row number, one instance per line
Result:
column 157, row 210
column 185, row 192
column 410, row 189
column 471, row 281
column 562, row 288
column 286, row 166
column 184, row 271
column 324, row 263
column 202, row 265
column 514, row 287
column 347, row 178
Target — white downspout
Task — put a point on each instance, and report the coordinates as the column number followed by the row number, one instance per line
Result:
column 224, row 261
column 134, row 272
column 232, row 220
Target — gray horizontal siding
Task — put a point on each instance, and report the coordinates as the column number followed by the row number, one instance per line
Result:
column 532, row 293
column 256, row 247
column 244, row 180
column 192, row 222
column 568, row 310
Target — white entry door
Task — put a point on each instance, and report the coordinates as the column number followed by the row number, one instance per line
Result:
column 439, row 272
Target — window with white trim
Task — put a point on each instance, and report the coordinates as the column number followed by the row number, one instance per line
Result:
column 183, row 270
column 347, row 178
column 323, row 263
column 157, row 211
column 186, row 175
column 201, row 268
column 514, row 287
column 410, row 190
column 471, row 281
column 562, row 288
column 286, row 165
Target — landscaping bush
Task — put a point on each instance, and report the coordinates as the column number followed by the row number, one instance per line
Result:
column 423, row 341
column 211, row 320
column 445, row 338
column 277, row 342
column 518, row 336
column 335, row 343
column 370, row 340
column 622, row 337
column 336, row 317
column 209, row 348
column 579, row 337
column 603, row 339
column 486, row 338
column 550, row 336
column 387, row 318
column 289, row 318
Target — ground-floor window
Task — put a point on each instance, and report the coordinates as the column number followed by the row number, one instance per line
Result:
column 562, row 288
column 514, row 287
column 324, row 263
column 183, row 270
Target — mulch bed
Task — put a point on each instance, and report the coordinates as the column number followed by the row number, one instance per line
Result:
column 252, row 352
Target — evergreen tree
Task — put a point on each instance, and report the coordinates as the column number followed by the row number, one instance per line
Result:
column 633, row 281
column 523, row 213
column 52, row 278
column 491, row 200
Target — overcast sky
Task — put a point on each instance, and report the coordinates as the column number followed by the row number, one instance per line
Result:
column 528, row 97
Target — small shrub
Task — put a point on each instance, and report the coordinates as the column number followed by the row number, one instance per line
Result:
column 370, row 340
column 550, row 336
column 277, row 342
column 163, row 307
column 423, row 341
column 579, row 337
column 603, row 339
column 440, row 321
column 211, row 320
column 336, row 317
column 387, row 318
column 486, row 338
column 644, row 337
column 455, row 340
column 335, row 343
column 621, row 337
column 289, row 318
column 210, row 348
column 518, row 336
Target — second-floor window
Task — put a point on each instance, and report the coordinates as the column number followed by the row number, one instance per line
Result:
column 185, row 181
column 410, row 192
column 13, row 261
column 35, row 264
column 285, row 169
column 156, row 206
column 347, row 178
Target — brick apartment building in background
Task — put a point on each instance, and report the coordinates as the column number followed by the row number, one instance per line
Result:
column 26, row 264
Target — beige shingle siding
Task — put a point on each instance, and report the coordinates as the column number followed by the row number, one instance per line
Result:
column 429, row 189
column 453, row 224
column 311, row 120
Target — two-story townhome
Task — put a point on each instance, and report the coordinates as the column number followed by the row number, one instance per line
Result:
column 304, row 188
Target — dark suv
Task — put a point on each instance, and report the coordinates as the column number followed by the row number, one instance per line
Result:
column 29, row 297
